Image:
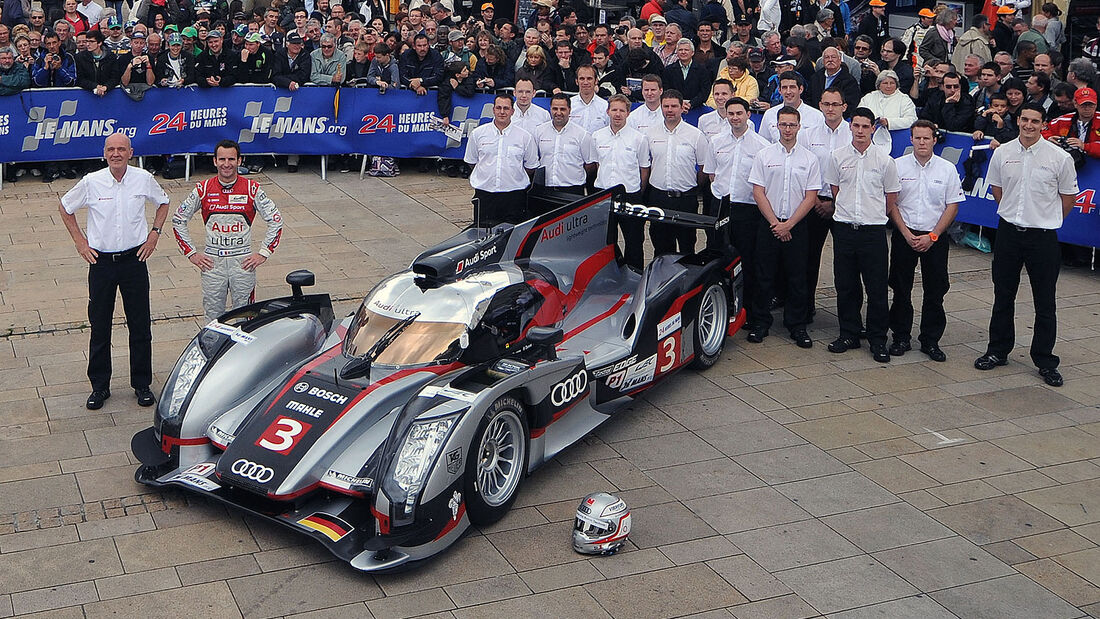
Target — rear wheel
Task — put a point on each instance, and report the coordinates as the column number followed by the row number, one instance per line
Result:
column 496, row 461
column 710, row 326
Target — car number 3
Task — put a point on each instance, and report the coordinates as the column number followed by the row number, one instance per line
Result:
column 669, row 347
column 281, row 435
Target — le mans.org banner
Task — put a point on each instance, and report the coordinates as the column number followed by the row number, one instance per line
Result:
column 69, row 123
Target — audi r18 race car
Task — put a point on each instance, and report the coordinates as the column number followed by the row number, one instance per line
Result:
column 387, row 434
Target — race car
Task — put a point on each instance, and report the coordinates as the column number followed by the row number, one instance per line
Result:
column 388, row 434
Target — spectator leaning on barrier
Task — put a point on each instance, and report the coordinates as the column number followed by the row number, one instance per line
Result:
column 96, row 69
column 137, row 68
column 494, row 71
column 291, row 66
column 358, row 65
column 995, row 122
column 175, row 69
column 55, row 67
column 14, row 77
column 421, row 67
column 254, row 66
column 1081, row 128
column 383, row 72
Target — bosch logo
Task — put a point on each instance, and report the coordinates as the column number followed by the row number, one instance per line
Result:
column 250, row 470
column 569, row 389
column 301, row 387
column 324, row 394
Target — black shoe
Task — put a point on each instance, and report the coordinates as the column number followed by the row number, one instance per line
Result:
column 899, row 348
column 70, row 174
column 880, row 354
column 49, row 177
column 96, row 400
column 802, row 339
column 145, row 396
column 934, row 353
column 291, row 169
column 757, row 335
column 843, row 344
column 1051, row 376
column 988, row 361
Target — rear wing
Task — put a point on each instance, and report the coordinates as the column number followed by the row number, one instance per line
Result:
column 719, row 220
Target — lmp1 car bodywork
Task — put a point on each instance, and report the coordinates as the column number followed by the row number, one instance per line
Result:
column 385, row 435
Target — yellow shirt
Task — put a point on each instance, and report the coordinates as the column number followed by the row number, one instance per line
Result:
column 746, row 87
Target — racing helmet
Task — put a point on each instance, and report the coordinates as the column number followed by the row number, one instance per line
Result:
column 601, row 525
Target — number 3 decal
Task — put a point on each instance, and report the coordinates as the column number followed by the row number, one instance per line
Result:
column 281, row 435
column 669, row 350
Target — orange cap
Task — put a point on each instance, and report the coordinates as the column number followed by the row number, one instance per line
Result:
column 876, row 3
column 926, row 13
column 1005, row 9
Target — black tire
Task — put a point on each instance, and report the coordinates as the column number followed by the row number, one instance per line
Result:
column 487, row 503
column 711, row 323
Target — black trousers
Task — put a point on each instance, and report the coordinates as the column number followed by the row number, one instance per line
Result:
column 112, row 273
column 817, row 230
column 500, row 207
column 859, row 264
column 933, row 269
column 744, row 219
column 668, row 239
column 633, row 229
column 787, row 260
column 1038, row 252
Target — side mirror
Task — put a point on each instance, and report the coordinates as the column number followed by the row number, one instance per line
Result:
column 546, row 338
column 298, row 279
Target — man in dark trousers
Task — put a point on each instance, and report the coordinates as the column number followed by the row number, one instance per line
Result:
column 1035, row 186
column 116, row 248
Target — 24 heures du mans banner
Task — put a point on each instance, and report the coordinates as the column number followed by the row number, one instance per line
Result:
column 62, row 124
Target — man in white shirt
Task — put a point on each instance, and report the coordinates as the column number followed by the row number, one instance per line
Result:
column 714, row 122
column 1035, row 186
column 504, row 158
column 589, row 110
column 116, row 248
column 790, row 88
column 728, row 162
column 927, row 204
column 622, row 157
column 865, row 184
column 648, row 114
column 528, row 116
column 785, row 179
column 822, row 141
column 676, row 149
column 565, row 149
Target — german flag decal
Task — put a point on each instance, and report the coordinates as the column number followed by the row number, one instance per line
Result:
column 330, row 526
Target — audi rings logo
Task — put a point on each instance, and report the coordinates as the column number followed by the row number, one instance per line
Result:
column 301, row 387
column 569, row 389
column 640, row 210
column 250, row 470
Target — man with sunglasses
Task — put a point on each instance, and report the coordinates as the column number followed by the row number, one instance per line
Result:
column 950, row 107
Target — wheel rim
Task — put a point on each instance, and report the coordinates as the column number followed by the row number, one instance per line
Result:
column 713, row 316
column 500, row 458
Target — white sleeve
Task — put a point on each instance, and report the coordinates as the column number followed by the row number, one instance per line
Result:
column 76, row 198
column 471, row 148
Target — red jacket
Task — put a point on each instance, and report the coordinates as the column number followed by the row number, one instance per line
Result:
column 1067, row 126
column 651, row 8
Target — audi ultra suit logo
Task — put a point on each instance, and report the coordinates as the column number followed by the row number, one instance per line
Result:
column 569, row 389
column 250, row 470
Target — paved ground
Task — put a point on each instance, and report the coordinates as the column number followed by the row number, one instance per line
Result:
column 781, row 483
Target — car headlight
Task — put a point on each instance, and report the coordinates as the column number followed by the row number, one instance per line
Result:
column 191, row 364
column 422, row 444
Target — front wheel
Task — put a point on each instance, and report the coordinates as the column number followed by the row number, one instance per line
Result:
column 496, row 461
column 710, row 327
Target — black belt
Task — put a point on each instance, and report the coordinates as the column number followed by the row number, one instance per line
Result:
column 855, row 226
column 742, row 205
column 119, row 256
column 676, row 194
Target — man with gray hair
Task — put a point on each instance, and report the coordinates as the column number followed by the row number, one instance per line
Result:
column 690, row 78
column 327, row 62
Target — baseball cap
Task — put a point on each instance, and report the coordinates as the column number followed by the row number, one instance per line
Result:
column 254, row 37
column 295, row 38
column 1005, row 9
column 741, row 21
column 455, row 35
column 215, row 33
column 190, row 32
column 241, row 30
column 240, row 15
column 487, row 5
column 756, row 54
column 138, row 34
column 785, row 60
column 202, row 8
column 174, row 39
column 171, row 28
column 1084, row 95
column 114, row 23
column 876, row 3
column 657, row 19
column 926, row 12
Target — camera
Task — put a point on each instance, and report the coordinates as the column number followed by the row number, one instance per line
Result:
column 1075, row 152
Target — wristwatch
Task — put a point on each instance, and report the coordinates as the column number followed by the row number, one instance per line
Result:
column 157, row 230
column 935, row 237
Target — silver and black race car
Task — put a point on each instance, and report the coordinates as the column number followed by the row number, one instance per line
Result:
column 387, row 434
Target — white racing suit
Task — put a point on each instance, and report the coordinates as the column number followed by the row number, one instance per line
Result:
column 227, row 213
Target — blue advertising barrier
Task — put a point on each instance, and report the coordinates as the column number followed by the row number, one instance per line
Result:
column 65, row 123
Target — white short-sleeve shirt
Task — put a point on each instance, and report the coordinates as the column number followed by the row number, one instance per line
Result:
column 116, row 209
column 808, row 117
column 592, row 115
column 729, row 160
column 786, row 176
column 500, row 158
column 863, row 179
column 531, row 119
column 822, row 141
column 620, row 156
column 1032, row 181
column 642, row 118
column 564, row 153
column 675, row 156
column 926, row 190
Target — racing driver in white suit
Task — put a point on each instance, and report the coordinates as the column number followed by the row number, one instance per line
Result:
column 229, row 204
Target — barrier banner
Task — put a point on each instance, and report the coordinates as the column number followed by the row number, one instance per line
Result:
column 68, row 123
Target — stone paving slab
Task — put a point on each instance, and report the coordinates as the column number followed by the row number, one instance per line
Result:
column 780, row 483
